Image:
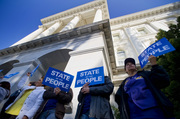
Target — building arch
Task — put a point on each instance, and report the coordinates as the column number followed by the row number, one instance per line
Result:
column 57, row 59
column 6, row 67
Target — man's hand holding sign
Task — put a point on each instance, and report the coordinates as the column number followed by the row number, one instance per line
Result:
column 57, row 90
column 85, row 89
column 152, row 60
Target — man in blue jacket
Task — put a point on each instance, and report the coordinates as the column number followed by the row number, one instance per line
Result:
column 94, row 101
column 139, row 95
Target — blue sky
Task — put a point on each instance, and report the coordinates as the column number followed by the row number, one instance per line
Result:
column 18, row 18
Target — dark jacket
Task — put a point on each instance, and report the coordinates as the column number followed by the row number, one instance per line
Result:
column 63, row 98
column 155, row 80
column 99, row 105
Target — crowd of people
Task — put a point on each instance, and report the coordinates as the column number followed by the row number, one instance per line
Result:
column 138, row 97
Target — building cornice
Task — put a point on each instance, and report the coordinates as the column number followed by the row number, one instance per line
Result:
column 146, row 13
column 77, row 10
column 101, row 26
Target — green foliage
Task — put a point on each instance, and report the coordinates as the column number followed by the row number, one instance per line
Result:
column 171, row 62
column 116, row 112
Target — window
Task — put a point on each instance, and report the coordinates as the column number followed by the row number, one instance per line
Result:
column 142, row 31
column 116, row 38
column 121, row 56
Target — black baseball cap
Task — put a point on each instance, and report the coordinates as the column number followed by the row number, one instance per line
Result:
column 129, row 60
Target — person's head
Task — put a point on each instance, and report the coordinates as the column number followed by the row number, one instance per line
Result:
column 129, row 65
column 5, row 85
column 39, row 82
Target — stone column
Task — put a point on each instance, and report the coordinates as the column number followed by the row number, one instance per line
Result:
column 98, row 15
column 72, row 23
column 50, row 30
column 153, row 26
column 150, row 23
column 30, row 36
column 132, row 48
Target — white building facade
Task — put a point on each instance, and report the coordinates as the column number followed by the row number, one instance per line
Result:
column 85, row 37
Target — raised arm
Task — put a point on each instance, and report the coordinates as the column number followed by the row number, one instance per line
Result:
column 159, row 77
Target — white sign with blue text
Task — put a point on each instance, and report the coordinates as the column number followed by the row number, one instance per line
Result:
column 93, row 76
column 158, row 48
column 56, row 78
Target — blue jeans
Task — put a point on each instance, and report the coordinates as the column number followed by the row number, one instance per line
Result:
column 48, row 114
column 85, row 116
